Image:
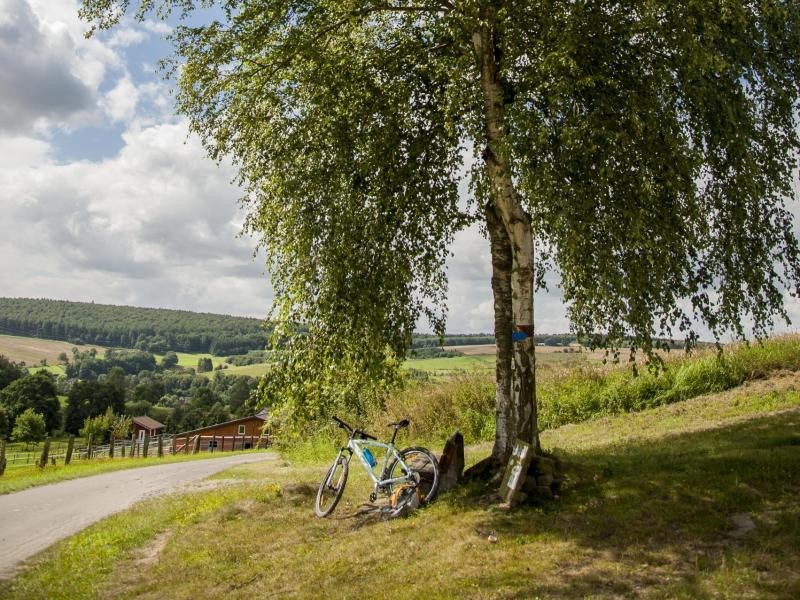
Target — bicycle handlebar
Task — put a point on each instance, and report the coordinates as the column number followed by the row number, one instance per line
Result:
column 342, row 424
column 354, row 432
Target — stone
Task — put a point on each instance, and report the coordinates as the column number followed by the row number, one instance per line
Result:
column 451, row 463
column 519, row 499
column 545, row 466
column 516, row 470
column 530, row 485
column 743, row 524
column 540, row 494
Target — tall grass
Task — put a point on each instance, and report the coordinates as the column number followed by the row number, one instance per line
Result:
column 588, row 392
column 565, row 395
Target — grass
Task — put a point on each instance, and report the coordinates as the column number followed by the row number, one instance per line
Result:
column 648, row 512
column 187, row 359
column 32, row 350
column 575, row 393
column 592, row 391
column 20, row 453
column 54, row 369
column 20, row 478
column 486, row 362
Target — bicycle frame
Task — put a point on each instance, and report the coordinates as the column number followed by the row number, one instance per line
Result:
column 357, row 446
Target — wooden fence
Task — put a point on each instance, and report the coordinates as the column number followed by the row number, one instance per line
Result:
column 68, row 451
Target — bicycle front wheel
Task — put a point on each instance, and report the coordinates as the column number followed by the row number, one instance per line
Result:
column 332, row 487
column 422, row 462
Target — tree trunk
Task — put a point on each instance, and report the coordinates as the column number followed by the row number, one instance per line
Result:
column 502, row 262
column 517, row 224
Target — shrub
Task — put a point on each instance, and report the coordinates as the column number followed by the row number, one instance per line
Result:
column 29, row 427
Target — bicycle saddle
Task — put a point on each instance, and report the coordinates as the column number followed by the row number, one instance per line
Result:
column 399, row 424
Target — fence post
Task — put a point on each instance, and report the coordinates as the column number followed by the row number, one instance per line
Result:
column 122, row 448
column 70, row 448
column 45, row 452
column 89, row 447
column 196, row 447
column 186, row 445
column 111, row 446
column 160, row 445
column 213, row 442
column 146, row 444
column 173, row 445
column 2, row 456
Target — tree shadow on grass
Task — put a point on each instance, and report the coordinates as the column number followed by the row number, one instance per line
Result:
column 671, row 518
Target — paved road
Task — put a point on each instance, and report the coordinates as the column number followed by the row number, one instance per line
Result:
column 33, row 519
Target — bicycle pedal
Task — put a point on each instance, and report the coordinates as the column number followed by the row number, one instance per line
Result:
column 373, row 496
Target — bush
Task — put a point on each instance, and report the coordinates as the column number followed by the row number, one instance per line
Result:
column 29, row 427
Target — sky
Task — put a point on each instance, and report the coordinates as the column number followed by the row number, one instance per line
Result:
column 105, row 197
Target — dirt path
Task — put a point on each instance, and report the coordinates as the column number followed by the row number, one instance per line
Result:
column 33, row 519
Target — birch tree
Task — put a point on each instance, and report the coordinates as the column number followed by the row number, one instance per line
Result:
column 647, row 147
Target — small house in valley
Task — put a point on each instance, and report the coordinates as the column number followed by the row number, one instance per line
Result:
column 239, row 434
column 146, row 425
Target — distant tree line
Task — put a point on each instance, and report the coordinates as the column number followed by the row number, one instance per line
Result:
column 132, row 382
column 433, row 352
column 34, row 396
column 101, row 391
column 149, row 329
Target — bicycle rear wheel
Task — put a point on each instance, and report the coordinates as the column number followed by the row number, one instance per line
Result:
column 332, row 487
column 422, row 462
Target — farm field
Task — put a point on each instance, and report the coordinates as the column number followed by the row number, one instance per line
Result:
column 33, row 350
column 478, row 358
column 486, row 362
column 187, row 359
column 696, row 499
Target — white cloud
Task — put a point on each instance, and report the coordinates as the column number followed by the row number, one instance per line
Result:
column 157, row 27
column 120, row 102
column 156, row 226
column 126, row 36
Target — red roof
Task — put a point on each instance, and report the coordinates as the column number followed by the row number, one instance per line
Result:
column 148, row 423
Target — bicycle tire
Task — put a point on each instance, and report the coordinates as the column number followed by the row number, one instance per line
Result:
column 422, row 461
column 328, row 493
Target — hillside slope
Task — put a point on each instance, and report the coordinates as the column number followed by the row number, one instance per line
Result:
column 153, row 329
column 697, row 499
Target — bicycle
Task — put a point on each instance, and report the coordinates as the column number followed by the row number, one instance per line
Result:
column 412, row 472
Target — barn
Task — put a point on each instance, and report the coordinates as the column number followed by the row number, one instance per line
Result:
column 145, row 425
column 239, row 434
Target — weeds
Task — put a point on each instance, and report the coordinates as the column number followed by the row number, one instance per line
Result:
column 467, row 402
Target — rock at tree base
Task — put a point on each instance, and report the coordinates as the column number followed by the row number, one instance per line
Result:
column 543, row 465
column 543, row 481
column 451, row 463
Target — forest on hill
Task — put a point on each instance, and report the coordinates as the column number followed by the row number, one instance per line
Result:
column 158, row 329
column 150, row 329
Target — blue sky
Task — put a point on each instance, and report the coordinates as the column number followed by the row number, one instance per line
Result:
column 105, row 197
